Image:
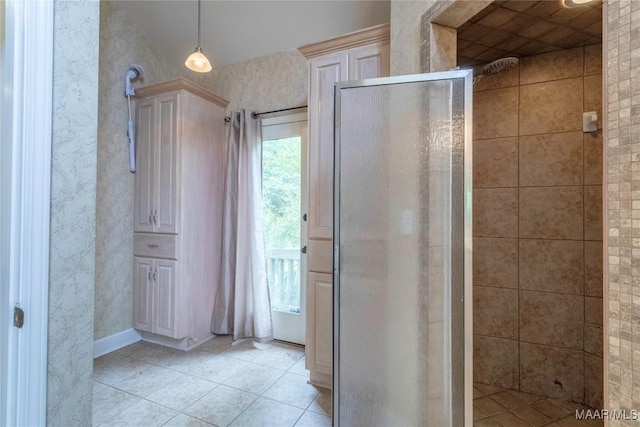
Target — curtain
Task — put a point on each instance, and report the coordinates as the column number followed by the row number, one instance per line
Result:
column 242, row 306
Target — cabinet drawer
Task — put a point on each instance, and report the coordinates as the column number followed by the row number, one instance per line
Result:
column 155, row 245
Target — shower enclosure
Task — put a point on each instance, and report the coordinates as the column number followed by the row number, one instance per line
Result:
column 402, row 258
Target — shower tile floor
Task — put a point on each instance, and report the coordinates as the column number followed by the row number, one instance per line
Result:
column 497, row 407
column 217, row 384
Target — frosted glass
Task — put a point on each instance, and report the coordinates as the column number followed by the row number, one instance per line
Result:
column 399, row 201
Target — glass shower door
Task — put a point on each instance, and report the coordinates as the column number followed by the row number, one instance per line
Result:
column 402, row 261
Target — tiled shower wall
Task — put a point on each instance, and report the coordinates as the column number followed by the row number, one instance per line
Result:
column 538, row 227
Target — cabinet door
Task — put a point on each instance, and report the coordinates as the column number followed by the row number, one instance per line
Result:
column 369, row 62
column 166, row 299
column 166, row 163
column 319, row 326
column 325, row 72
column 143, row 293
column 143, row 199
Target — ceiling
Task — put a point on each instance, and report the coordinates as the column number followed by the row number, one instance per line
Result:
column 523, row 28
column 235, row 30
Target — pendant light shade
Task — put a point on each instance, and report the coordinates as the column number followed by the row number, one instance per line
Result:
column 197, row 61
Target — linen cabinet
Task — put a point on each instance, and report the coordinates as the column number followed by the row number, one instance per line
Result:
column 180, row 136
column 356, row 56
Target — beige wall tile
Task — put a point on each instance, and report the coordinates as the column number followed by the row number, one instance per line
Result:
column 495, row 113
column 495, row 162
column 562, row 64
column 593, row 96
column 593, row 158
column 593, row 212
column 495, row 361
column 593, row 387
column 552, row 319
column 497, row 81
column 552, row 265
column 551, row 213
column 495, row 262
column 593, row 59
column 495, row 212
column 593, row 310
column 495, row 312
column 593, row 339
column 551, row 107
column 551, row 159
column 593, row 269
column 551, row 371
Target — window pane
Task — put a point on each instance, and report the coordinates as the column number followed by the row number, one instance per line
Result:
column 281, row 186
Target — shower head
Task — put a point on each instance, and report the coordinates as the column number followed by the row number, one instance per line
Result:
column 495, row 67
column 134, row 72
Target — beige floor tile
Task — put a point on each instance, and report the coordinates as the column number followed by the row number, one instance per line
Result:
column 254, row 378
column 217, row 344
column 293, row 390
column 571, row 421
column 142, row 413
column 113, row 367
column 182, row 420
column 312, row 419
column 489, row 406
column 221, row 405
column 532, row 416
column 508, row 419
column 108, row 402
column 245, row 350
column 549, row 409
column 487, row 422
column 322, row 403
column 477, row 393
column 147, row 381
column 268, row 413
column 478, row 414
column 182, row 392
column 218, row 368
column 298, row 368
column 280, row 356
column 508, row 400
column 487, row 389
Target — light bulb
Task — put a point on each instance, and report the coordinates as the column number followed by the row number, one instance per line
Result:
column 577, row 3
column 198, row 62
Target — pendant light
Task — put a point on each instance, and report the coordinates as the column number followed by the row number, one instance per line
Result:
column 197, row 61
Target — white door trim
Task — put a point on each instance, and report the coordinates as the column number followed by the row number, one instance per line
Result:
column 25, row 169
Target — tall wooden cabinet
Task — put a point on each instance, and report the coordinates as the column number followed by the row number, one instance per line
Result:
column 177, row 211
column 355, row 56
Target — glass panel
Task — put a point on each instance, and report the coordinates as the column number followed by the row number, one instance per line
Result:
column 400, row 195
column 281, row 185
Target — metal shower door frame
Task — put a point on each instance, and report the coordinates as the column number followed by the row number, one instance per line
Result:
column 464, row 280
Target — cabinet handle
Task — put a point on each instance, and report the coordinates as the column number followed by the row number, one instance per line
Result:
column 150, row 218
column 149, row 275
column 155, row 274
column 155, row 216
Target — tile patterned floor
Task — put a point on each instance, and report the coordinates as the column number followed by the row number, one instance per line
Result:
column 217, row 384
column 497, row 407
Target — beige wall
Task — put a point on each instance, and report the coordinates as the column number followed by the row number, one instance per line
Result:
column 121, row 44
column 406, row 36
column 538, row 227
column 73, row 202
column 267, row 83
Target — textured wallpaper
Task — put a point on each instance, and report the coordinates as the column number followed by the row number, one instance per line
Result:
column 406, row 37
column 73, row 191
column 267, row 83
column 121, row 44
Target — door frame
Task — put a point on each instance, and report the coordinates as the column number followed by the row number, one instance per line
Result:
column 280, row 126
column 25, row 167
column 461, row 322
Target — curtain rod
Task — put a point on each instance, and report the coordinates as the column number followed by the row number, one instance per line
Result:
column 256, row 115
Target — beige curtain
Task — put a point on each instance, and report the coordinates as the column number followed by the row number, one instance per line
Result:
column 242, row 306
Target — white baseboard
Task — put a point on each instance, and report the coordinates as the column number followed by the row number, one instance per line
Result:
column 115, row 342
